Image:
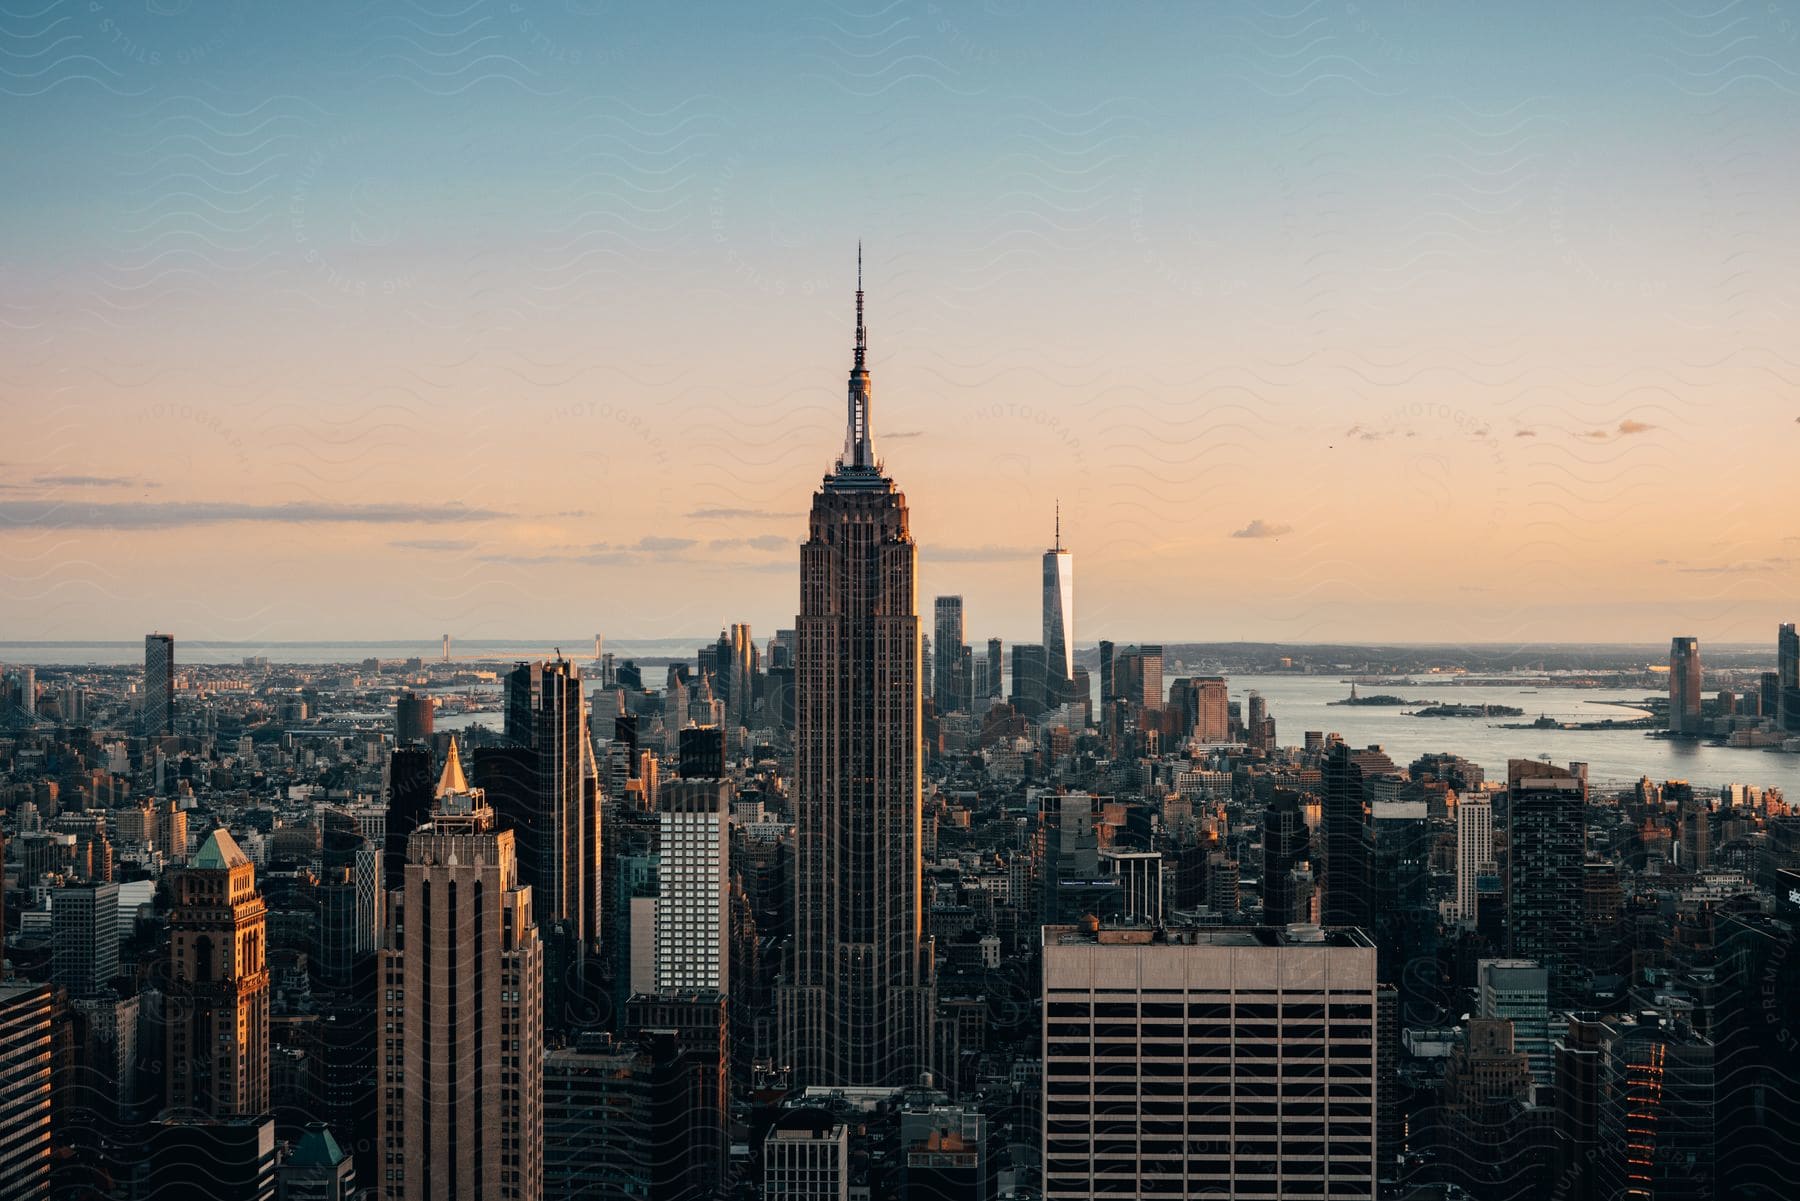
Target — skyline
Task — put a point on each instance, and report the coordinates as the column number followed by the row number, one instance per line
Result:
column 1203, row 294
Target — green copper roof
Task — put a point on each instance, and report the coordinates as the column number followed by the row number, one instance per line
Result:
column 316, row 1149
column 219, row 852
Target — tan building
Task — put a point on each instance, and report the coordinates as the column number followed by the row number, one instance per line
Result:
column 460, row 1097
column 216, row 1013
column 1209, row 1061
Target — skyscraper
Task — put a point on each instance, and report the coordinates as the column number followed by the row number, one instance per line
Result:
column 1684, row 686
column 1546, row 848
column 84, row 924
column 159, row 685
column 1474, row 853
column 947, row 678
column 858, row 1007
column 555, row 811
column 25, row 1091
column 216, row 1007
column 413, row 718
column 459, row 1106
column 1059, row 617
column 1787, row 678
column 1347, row 815
column 693, row 915
column 1286, row 849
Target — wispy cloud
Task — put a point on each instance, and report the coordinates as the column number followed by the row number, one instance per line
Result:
column 738, row 515
column 1625, row 429
column 1262, row 529
column 654, row 542
column 432, row 544
column 93, row 481
column 760, row 542
column 899, row 435
column 64, row 515
column 977, row 554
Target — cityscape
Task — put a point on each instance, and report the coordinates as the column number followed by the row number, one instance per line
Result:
column 899, row 600
column 867, row 908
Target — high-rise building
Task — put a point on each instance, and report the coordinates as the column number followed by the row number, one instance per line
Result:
column 159, row 685
column 414, row 716
column 25, row 1091
column 1030, row 679
column 1474, row 853
column 1138, row 675
column 459, row 1106
column 693, row 911
column 1108, row 666
column 1059, row 617
column 740, row 679
column 1348, row 818
column 1546, row 809
column 597, row 1121
column 1201, row 1061
column 1286, row 849
column 1657, row 1116
column 948, row 681
column 1519, row 991
column 556, row 811
column 859, row 1007
column 411, row 775
column 1684, row 686
column 1140, row 877
column 216, row 1003
column 84, row 924
column 996, row 669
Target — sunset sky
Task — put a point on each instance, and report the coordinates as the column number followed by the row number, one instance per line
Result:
column 1324, row 321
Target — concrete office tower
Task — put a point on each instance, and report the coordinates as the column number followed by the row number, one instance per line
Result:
column 459, row 1107
column 216, row 1005
column 948, row 681
column 1212, row 1062
column 1547, row 848
column 1059, row 617
column 159, row 685
column 1684, row 686
column 84, row 926
column 1519, row 990
column 1474, row 852
column 25, row 1091
column 693, row 910
column 556, row 810
column 806, row 1157
column 859, row 1007
column 414, row 717
column 1347, row 815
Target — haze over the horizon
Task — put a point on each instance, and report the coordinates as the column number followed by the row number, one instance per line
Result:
column 1370, row 323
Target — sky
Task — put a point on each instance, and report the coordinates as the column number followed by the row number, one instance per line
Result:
column 1323, row 321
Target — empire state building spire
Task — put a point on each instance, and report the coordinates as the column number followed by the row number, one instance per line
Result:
column 859, row 443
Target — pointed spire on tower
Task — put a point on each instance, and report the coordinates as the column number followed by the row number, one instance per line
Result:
column 1059, row 523
column 452, row 782
column 859, row 442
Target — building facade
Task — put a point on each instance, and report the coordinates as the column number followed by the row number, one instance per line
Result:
column 858, row 1007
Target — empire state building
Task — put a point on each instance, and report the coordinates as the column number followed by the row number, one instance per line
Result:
column 858, row 1006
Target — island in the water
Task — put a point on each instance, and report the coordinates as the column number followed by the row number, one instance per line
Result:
column 1387, row 699
column 1467, row 711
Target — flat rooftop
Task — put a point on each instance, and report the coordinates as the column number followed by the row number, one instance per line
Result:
column 1209, row 936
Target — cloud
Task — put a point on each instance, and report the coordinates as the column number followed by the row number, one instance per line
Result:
column 432, row 544
column 1367, row 435
column 1748, row 567
column 654, row 542
column 738, row 515
column 93, row 481
column 1524, row 433
column 1262, row 529
column 977, row 554
column 65, row 515
column 1634, row 427
column 899, row 435
column 760, row 542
